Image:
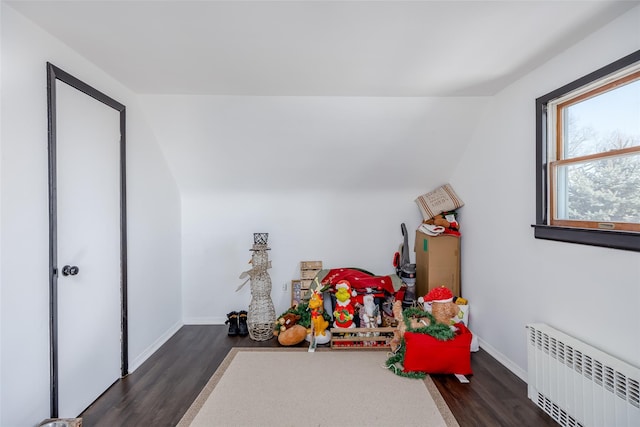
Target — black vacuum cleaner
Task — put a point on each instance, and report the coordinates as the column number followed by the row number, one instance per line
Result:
column 406, row 271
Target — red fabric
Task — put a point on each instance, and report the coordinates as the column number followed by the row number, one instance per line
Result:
column 439, row 294
column 359, row 280
column 426, row 354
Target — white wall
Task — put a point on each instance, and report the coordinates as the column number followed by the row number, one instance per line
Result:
column 330, row 178
column 343, row 229
column 513, row 279
column 153, row 220
column 1, row 216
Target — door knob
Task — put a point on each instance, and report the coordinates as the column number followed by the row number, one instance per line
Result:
column 70, row 270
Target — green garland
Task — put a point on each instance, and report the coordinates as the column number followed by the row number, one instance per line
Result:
column 437, row 330
column 398, row 357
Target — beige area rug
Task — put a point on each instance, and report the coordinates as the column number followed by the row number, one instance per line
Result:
column 292, row 387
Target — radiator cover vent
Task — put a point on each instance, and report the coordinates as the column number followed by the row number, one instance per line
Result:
column 579, row 385
column 557, row 413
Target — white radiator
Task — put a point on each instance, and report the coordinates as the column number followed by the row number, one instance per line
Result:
column 579, row 385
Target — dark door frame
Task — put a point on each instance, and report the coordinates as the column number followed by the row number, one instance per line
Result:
column 54, row 73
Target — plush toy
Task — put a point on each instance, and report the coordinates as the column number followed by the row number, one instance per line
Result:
column 447, row 220
column 444, row 219
column 343, row 313
column 438, row 220
column 442, row 306
column 293, row 335
column 287, row 320
column 287, row 329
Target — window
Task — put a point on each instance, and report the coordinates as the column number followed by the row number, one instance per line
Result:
column 588, row 159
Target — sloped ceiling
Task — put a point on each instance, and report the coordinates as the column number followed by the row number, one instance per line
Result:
column 339, row 48
column 311, row 143
column 268, row 95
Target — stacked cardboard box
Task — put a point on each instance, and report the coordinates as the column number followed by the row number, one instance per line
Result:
column 308, row 271
column 300, row 288
column 437, row 263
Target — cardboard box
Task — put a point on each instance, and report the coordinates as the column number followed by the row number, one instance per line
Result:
column 437, row 263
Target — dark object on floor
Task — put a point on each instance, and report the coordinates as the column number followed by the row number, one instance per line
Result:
column 407, row 271
column 232, row 321
column 243, row 329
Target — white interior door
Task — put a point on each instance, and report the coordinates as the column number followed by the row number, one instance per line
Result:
column 88, row 231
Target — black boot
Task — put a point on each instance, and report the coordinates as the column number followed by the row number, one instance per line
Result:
column 243, row 329
column 232, row 320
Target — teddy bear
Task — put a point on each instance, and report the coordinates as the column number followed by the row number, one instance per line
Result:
column 438, row 220
column 445, row 219
column 442, row 306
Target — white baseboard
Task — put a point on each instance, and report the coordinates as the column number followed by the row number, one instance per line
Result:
column 504, row 360
column 154, row 347
column 204, row 320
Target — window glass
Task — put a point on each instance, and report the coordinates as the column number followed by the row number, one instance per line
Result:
column 607, row 121
column 604, row 190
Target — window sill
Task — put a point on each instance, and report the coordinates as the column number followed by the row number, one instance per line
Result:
column 625, row 240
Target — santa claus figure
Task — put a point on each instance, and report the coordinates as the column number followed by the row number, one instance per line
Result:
column 343, row 313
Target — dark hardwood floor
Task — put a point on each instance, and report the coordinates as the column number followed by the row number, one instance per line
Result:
column 160, row 391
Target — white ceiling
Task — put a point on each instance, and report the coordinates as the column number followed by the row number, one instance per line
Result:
column 339, row 48
column 368, row 95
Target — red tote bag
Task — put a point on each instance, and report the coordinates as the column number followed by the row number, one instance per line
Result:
column 426, row 354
